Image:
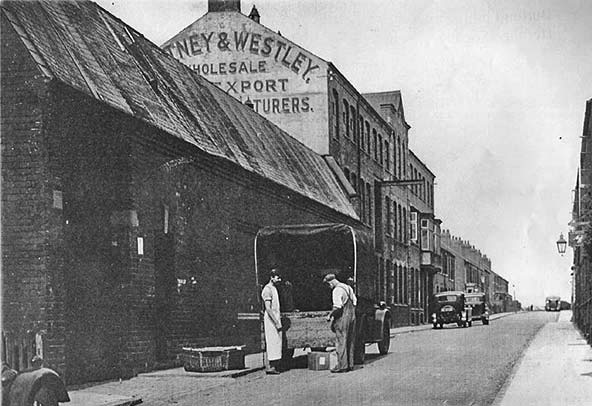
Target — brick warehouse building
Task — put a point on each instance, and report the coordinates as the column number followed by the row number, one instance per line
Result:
column 132, row 189
column 367, row 134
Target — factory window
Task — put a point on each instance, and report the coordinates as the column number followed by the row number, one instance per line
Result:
column 352, row 122
column 362, row 200
column 336, row 118
column 375, row 144
column 405, row 226
column 367, row 136
column 400, row 154
column 369, row 194
column 413, row 226
column 380, row 152
column 392, row 282
column 346, row 117
column 389, row 214
column 395, row 220
column 406, row 285
column 395, row 157
column 360, row 132
column 399, row 224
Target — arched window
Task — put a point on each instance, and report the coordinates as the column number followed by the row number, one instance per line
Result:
column 405, row 226
column 346, row 117
column 390, row 295
column 395, row 220
column 352, row 122
column 367, row 138
column 380, row 151
column 360, row 137
column 387, row 205
column 362, row 200
column 346, row 172
column 354, row 181
column 399, row 153
column 369, row 194
column 374, row 144
column 388, row 155
column 399, row 284
column 336, row 111
column 400, row 229
column 395, row 158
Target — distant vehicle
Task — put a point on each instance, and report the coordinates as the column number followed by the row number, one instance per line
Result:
column 553, row 304
column 449, row 307
column 478, row 303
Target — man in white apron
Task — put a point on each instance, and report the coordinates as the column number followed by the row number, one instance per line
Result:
column 343, row 319
column 272, row 322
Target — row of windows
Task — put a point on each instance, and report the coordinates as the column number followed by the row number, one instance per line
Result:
column 398, row 225
column 364, row 190
column 448, row 265
column 396, row 281
column 397, row 222
column 425, row 190
column 383, row 151
column 471, row 273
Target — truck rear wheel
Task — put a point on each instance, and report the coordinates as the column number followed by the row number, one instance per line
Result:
column 385, row 342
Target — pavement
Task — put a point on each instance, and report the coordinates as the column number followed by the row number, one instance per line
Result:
column 558, row 361
column 556, row 369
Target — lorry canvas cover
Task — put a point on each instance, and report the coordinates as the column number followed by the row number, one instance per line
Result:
column 305, row 253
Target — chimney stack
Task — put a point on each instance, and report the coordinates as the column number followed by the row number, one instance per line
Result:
column 224, row 5
column 254, row 15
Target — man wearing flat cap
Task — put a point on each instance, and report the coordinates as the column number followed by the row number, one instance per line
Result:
column 343, row 318
column 272, row 322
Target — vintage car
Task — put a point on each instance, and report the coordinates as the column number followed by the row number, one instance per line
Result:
column 449, row 307
column 553, row 304
column 479, row 308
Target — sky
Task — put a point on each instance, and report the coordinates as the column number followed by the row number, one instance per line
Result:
column 494, row 91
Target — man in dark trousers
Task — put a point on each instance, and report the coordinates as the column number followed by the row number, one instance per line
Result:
column 343, row 322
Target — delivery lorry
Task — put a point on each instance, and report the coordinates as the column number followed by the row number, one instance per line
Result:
column 304, row 254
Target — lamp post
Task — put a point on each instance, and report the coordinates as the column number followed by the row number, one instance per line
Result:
column 561, row 244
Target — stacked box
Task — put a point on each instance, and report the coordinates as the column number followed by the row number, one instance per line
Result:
column 318, row 361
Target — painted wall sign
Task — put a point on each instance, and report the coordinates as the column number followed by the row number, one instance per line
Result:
column 196, row 44
column 285, row 83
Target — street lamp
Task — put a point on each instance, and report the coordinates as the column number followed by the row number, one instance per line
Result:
column 561, row 244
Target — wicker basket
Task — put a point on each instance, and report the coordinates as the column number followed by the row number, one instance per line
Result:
column 212, row 359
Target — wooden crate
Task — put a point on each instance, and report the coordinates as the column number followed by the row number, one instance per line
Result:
column 212, row 359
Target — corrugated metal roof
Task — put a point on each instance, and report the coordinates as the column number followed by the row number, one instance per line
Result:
column 82, row 45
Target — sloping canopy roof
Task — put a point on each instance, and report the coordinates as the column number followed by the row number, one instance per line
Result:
column 82, row 45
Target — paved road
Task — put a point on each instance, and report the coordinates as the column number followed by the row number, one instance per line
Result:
column 452, row 366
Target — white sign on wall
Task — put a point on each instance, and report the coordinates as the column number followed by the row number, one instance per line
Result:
column 285, row 83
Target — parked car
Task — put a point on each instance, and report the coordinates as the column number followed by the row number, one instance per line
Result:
column 449, row 307
column 552, row 304
column 479, row 309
